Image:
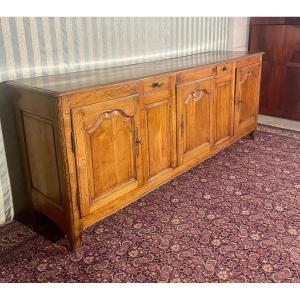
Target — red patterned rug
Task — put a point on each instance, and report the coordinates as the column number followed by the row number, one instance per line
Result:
column 233, row 218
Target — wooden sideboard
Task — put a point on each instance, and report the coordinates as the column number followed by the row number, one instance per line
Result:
column 95, row 141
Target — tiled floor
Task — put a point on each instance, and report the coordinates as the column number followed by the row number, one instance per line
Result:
column 279, row 122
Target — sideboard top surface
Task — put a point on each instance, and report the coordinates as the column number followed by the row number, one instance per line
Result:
column 68, row 83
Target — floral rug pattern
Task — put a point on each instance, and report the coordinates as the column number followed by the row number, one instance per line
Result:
column 232, row 218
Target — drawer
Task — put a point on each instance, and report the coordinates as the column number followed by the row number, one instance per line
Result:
column 252, row 59
column 224, row 68
column 155, row 96
column 192, row 75
column 155, row 84
column 102, row 94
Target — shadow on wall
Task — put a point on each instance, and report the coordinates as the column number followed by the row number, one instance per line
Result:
column 13, row 153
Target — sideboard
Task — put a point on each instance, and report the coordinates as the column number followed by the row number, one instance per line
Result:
column 97, row 140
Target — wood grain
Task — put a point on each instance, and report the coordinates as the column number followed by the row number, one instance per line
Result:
column 195, row 106
column 224, row 107
column 41, row 155
column 90, row 153
column 106, row 149
column 281, row 65
column 247, row 96
column 73, row 83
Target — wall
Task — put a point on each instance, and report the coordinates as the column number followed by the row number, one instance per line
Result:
column 38, row 46
column 6, row 207
column 238, row 33
column 33, row 47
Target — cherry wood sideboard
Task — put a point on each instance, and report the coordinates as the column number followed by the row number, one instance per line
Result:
column 95, row 141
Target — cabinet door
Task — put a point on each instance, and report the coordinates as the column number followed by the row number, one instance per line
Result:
column 247, row 98
column 195, row 130
column 224, row 109
column 107, row 148
column 158, row 117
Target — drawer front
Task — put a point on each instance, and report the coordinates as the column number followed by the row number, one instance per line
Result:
column 156, row 84
column 192, row 75
column 102, row 94
column 245, row 61
column 224, row 68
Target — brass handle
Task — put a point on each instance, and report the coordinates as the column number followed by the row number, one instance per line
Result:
column 157, row 84
column 137, row 141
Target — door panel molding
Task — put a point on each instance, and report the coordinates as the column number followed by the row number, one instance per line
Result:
column 224, row 110
column 195, row 129
column 106, row 150
column 247, row 97
column 108, row 115
column 159, row 132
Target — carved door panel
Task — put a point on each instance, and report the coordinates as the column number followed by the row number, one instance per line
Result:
column 158, row 118
column 107, row 149
column 247, row 97
column 194, row 119
column 224, row 109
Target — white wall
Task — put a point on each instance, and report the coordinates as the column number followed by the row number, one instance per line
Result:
column 239, row 33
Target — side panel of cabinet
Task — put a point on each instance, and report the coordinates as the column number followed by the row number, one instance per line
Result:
column 195, row 118
column 158, row 117
column 107, row 148
column 41, row 148
column 224, row 109
column 247, row 97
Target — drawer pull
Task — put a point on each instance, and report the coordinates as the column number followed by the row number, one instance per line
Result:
column 225, row 69
column 156, row 84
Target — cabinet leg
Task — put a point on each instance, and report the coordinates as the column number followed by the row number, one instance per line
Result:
column 75, row 242
column 252, row 135
column 33, row 218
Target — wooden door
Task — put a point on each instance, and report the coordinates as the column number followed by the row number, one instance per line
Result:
column 224, row 108
column 107, row 149
column 271, row 39
column 247, row 97
column 158, row 115
column 194, row 117
column 280, row 95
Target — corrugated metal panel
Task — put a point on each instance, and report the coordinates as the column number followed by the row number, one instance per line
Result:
column 31, row 47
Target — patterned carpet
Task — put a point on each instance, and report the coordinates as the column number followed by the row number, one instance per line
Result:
column 233, row 218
